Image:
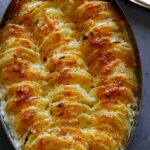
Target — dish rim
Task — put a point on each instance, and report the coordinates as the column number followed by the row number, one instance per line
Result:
column 138, row 72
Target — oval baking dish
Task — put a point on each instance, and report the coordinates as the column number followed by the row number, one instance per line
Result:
column 70, row 75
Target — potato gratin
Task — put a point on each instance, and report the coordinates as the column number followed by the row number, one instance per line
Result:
column 68, row 75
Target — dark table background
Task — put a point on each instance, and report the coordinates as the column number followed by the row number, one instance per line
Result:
column 140, row 21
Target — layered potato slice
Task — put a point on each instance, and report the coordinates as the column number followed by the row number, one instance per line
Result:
column 71, row 93
column 14, row 31
column 17, row 42
column 24, row 89
column 68, row 109
column 59, row 61
column 15, row 104
column 112, row 114
column 28, row 13
column 88, row 9
column 56, row 39
column 71, row 76
column 117, row 72
column 59, row 139
column 13, row 42
column 18, row 52
column 72, row 47
column 48, row 20
column 114, row 91
column 26, row 118
column 21, row 70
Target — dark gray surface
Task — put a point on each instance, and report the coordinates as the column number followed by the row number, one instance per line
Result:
column 140, row 20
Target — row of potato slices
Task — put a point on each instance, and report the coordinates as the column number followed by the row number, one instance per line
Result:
column 103, row 112
column 107, row 119
column 103, row 39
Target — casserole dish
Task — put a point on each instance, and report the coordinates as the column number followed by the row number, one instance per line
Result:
column 72, row 77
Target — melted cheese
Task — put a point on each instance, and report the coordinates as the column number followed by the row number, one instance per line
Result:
column 68, row 75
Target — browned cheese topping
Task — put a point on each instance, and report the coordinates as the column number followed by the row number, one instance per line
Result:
column 68, row 71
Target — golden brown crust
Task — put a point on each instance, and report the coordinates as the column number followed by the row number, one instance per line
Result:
column 68, row 71
column 20, row 70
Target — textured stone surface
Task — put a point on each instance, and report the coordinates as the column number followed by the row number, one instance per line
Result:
column 140, row 20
